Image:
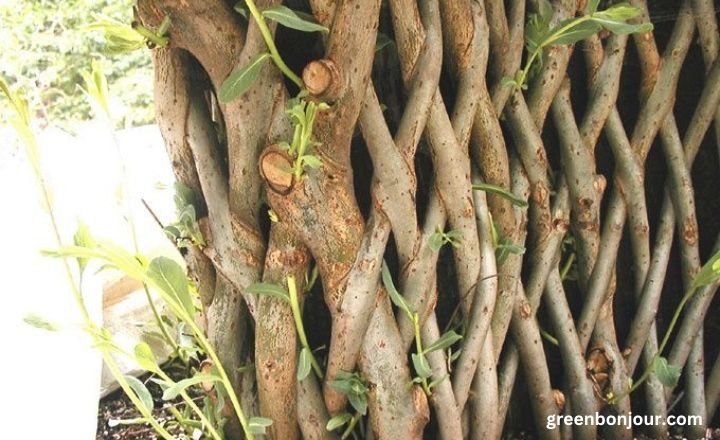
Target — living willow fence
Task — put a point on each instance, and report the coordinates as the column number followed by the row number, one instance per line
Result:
column 558, row 227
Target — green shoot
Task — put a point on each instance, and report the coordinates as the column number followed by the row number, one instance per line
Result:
column 540, row 34
column 297, row 20
column 438, row 239
column 301, row 111
column 419, row 358
column 667, row 373
column 240, row 80
column 184, row 231
column 311, row 278
column 289, row 18
column 270, row 43
column 568, row 269
column 339, row 421
column 146, row 359
column 39, row 322
column 548, row 337
column 355, row 389
column 120, row 37
column 96, row 88
column 273, row 216
column 306, row 360
column 258, row 425
column 303, row 114
column 499, row 191
column 502, row 245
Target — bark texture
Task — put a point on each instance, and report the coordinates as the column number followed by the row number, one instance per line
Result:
column 601, row 146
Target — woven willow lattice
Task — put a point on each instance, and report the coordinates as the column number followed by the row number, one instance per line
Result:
column 559, row 303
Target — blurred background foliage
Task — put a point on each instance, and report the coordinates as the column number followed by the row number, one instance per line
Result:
column 45, row 47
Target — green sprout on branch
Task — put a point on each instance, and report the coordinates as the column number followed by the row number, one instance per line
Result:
column 241, row 79
column 306, row 360
column 355, row 389
column 303, row 114
column 500, row 191
column 667, row 373
column 419, row 358
column 439, row 238
column 540, row 33
column 120, row 38
column 301, row 111
column 185, row 231
column 503, row 246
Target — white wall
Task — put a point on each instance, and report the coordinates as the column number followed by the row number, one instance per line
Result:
column 51, row 380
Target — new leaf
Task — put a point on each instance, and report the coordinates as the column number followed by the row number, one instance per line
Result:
column 293, row 19
column 170, row 277
column 667, row 373
column 242, row 79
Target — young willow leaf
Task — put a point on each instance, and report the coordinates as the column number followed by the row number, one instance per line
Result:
column 338, row 421
column 242, row 79
column 538, row 26
column 119, row 37
column 592, row 6
column 620, row 12
column 145, row 357
column 164, row 26
column 622, row 28
column 82, row 238
column 443, row 342
column 96, row 88
column 175, row 389
column 184, row 196
column 293, row 19
column 341, row 385
column 141, row 391
column 353, row 387
column 395, row 296
column 510, row 247
column 509, row 81
column 497, row 190
column 578, row 32
column 359, row 402
column 420, row 363
column 163, row 384
column 258, row 425
column 171, row 279
column 312, row 161
column 269, row 289
column 454, row 234
column 709, row 273
column 436, row 241
column 667, row 373
column 39, row 322
column 242, row 9
column 304, row 366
